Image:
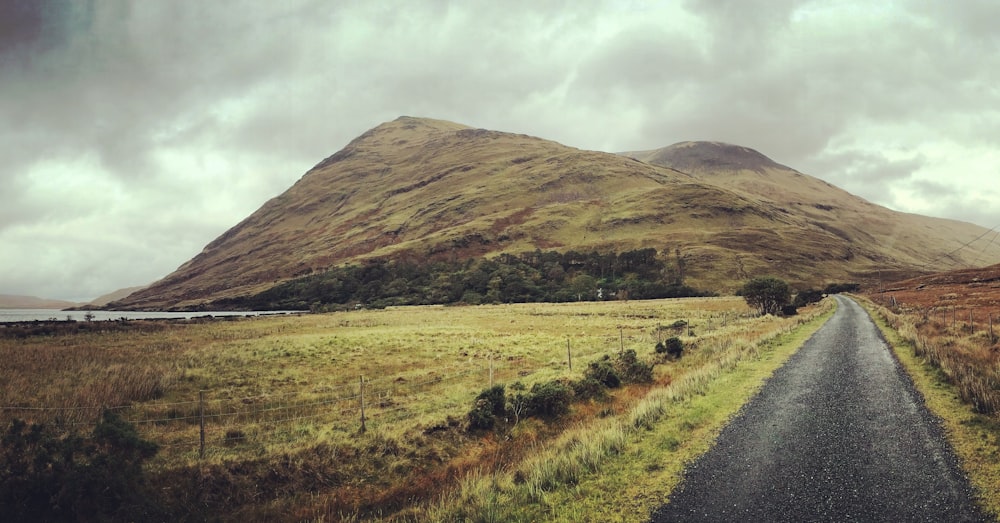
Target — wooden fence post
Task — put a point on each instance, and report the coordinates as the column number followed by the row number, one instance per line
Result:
column 972, row 323
column 362, row 396
column 201, row 422
column 569, row 355
column 621, row 339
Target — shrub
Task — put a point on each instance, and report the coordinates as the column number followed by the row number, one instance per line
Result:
column 806, row 297
column 603, row 372
column 672, row 348
column 589, row 388
column 549, row 400
column 46, row 476
column 631, row 370
column 489, row 404
column 837, row 288
column 767, row 295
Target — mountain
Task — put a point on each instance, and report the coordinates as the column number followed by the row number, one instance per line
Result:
column 117, row 295
column 8, row 301
column 421, row 189
column 895, row 241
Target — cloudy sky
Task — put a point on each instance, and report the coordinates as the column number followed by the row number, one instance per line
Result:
column 132, row 133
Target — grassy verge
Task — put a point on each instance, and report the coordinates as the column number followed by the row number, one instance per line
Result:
column 974, row 437
column 622, row 468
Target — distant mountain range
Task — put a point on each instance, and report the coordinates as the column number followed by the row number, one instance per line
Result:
column 423, row 190
column 8, row 301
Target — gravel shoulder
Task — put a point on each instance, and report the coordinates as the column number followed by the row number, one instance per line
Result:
column 837, row 434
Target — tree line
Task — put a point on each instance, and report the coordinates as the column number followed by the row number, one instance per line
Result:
column 536, row 276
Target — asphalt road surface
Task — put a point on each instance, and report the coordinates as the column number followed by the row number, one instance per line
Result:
column 837, row 434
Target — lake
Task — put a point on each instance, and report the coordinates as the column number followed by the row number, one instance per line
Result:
column 10, row 315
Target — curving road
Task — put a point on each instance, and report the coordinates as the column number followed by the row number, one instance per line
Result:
column 837, row 434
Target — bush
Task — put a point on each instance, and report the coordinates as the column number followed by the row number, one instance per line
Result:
column 588, row 388
column 672, row 348
column 631, row 370
column 806, row 297
column 767, row 295
column 603, row 372
column 837, row 288
column 45, row 476
column 489, row 404
column 549, row 400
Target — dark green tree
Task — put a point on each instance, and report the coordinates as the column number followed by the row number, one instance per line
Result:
column 767, row 295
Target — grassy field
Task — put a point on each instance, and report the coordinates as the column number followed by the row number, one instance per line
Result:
column 280, row 399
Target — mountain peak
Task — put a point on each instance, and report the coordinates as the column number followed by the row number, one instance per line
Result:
column 405, row 130
column 708, row 156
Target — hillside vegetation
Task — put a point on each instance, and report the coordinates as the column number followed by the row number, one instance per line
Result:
column 418, row 191
column 529, row 277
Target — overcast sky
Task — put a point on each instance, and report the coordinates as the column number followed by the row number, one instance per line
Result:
column 132, row 133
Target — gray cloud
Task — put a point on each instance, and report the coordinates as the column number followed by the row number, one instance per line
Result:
column 136, row 132
column 868, row 174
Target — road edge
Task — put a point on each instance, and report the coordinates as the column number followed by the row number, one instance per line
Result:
column 974, row 438
column 663, row 455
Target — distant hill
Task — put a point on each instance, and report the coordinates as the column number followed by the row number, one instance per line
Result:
column 8, row 301
column 423, row 190
column 105, row 299
column 897, row 243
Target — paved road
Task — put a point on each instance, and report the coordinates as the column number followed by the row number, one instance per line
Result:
column 837, row 434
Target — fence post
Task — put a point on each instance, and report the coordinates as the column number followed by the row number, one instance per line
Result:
column 201, row 422
column 972, row 323
column 569, row 355
column 621, row 339
column 362, row 396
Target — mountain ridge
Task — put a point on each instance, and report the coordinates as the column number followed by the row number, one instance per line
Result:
column 425, row 189
column 11, row 301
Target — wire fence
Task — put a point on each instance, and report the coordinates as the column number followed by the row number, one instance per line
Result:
column 214, row 420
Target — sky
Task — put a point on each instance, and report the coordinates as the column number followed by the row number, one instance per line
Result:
column 133, row 133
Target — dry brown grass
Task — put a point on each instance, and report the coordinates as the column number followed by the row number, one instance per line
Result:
column 969, row 357
column 282, row 412
column 953, row 320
